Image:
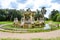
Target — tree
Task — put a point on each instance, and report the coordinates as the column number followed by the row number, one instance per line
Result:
column 58, row 18
column 37, row 15
column 2, row 14
column 54, row 14
column 10, row 14
column 43, row 11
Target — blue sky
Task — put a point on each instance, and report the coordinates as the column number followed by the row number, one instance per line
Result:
column 56, row 1
column 33, row 4
column 22, row 1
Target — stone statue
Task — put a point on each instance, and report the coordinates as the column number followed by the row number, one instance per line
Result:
column 16, row 23
column 15, row 20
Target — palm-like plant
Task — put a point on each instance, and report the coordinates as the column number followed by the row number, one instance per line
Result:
column 43, row 11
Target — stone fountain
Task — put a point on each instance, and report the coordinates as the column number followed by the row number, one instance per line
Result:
column 28, row 21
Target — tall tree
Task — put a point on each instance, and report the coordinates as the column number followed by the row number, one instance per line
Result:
column 54, row 14
column 43, row 11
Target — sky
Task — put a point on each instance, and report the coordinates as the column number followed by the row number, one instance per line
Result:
column 32, row 4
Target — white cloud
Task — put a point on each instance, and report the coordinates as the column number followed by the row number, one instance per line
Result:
column 5, row 3
column 36, row 3
column 55, row 6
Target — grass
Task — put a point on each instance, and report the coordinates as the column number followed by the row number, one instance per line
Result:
column 9, row 39
column 57, row 38
column 10, row 28
column 6, row 22
column 52, row 22
column 10, row 22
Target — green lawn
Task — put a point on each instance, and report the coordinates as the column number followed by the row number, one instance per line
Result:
column 32, row 30
column 10, row 22
column 6, row 22
column 57, row 38
column 9, row 39
column 52, row 22
column 12, row 28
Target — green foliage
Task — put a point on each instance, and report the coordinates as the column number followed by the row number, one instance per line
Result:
column 58, row 18
column 54, row 15
column 2, row 18
column 9, row 14
column 46, row 18
column 43, row 10
column 2, row 14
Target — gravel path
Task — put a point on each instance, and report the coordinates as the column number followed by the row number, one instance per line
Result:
column 43, row 35
column 28, row 36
